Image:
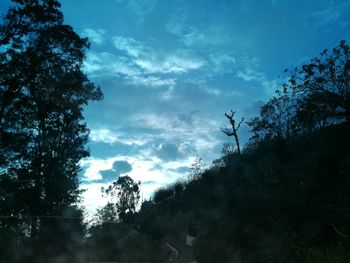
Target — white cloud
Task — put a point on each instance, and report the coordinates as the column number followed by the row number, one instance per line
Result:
column 94, row 166
column 139, row 7
column 128, row 45
column 103, row 135
column 142, row 7
column 141, row 65
column 92, row 197
column 95, row 35
column 334, row 12
column 105, row 63
column 222, row 62
column 175, row 129
column 151, row 62
column 107, row 136
column 169, row 64
column 249, row 75
column 250, row 70
column 191, row 36
column 144, row 169
column 153, row 81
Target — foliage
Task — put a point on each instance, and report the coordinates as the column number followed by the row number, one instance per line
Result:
column 127, row 194
column 42, row 133
column 315, row 96
column 323, row 84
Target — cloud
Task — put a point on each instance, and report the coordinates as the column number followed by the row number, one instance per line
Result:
column 147, row 168
column 107, row 64
column 191, row 136
column 153, row 81
column 129, row 45
column 168, row 152
column 249, row 75
column 333, row 13
column 142, row 7
column 200, row 35
column 118, row 168
column 108, row 176
column 141, row 65
column 92, row 197
column 139, row 7
column 93, row 168
column 110, row 137
column 150, row 182
column 222, row 62
column 181, row 62
column 103, row 135
column 94, row 35
column 250, row 69
column 151, row 62
column 121, row 167
column 171, row 64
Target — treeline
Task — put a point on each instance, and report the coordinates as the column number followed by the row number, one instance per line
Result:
column 284, row 197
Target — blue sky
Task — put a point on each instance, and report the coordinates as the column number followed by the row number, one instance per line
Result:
column 169, row 69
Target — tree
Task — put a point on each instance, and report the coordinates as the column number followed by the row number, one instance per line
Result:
column 234, row 128
column 107, row 214
column 127, row 193
column 277, row 118
column 316, row 95
column 42, row 133
column 196, row 170
column 323, row 86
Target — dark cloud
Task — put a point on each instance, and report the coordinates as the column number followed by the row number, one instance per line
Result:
column 108, row 176
column 121, row 167
column 168, row 152
column 118, row 168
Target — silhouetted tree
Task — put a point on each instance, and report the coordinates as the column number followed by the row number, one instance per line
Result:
column 107, row 214
column 322, row 85
column 127, row 196
column 277, row 118
column 315, row 96
column 42, row 134
column 196, row 169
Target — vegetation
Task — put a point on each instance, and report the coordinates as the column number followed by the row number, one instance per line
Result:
column 284, row 197
column 42, row 134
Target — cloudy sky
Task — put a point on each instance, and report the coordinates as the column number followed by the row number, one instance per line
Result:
column 169, row 69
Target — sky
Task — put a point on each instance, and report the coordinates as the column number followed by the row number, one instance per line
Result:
column 170, row 69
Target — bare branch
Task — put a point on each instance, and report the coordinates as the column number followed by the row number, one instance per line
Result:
column 239, row 124
column 227, row 131
column 233, row 130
